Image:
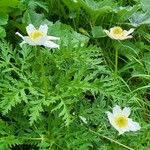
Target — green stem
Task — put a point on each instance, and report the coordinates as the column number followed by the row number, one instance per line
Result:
column 116, row 64
column 42, row 70
column 112, row 140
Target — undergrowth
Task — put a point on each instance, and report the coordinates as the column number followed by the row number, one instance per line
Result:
column 45, row 92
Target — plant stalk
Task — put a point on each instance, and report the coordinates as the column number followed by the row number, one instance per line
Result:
column 112, row 140
column 42, row 70
column 116, row 63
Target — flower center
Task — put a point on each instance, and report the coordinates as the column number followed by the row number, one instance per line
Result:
column 121, row 121
column 36, row 34
column 117, row 31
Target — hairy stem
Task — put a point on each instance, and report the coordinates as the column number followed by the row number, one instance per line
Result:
column 112, row 140
column 116, row 63
column 42, row 70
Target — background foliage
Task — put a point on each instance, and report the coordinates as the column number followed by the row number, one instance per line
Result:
column 43, row 92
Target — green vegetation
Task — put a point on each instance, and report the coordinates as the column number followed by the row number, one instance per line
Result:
column 44, row 92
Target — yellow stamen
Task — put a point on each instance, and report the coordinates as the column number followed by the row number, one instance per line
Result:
column 121, row 121
column 117, row 31
column 36, row 34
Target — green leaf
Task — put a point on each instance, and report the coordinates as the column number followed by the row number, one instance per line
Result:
column 8, row 141
column 145, row 5
column 67, row 34
column 123, row 13
column 65, row 111
column 140, row 18
column 9, row 3
column 147, row 61
column 97, row 32
column 97, row 9
column 34, row 4
column 93, row 8
column 2, row 32
column 33, row 17
column 73, row 6
column 3, row 18
column 35, row 111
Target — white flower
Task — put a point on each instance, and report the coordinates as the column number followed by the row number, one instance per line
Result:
column 120, row 121
column 38, row 37
column 118, row 33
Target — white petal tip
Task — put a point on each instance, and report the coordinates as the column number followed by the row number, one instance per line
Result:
column 136, row 126
column 120, row 133
column 17, row 33
column 117, row 107
column 131, row 30
column 53, row 38
column 126, row 111
column 30, row 24
column 107, row 113
column 106, row 31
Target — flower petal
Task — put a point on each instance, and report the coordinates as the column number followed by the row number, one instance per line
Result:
column 124, row 37
column 117, row 110
column 126, row 111
column 41, row 40
column 108, row 33
column 126, row 33
column 17, row 33
column 30, row 28
column 53, row 38
column 111, row 119
column 134, row 126
column 131, row 31
column 110, row 116
column 51, row 44
column 128, row 37
column 43, row 28
column 28, row 40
